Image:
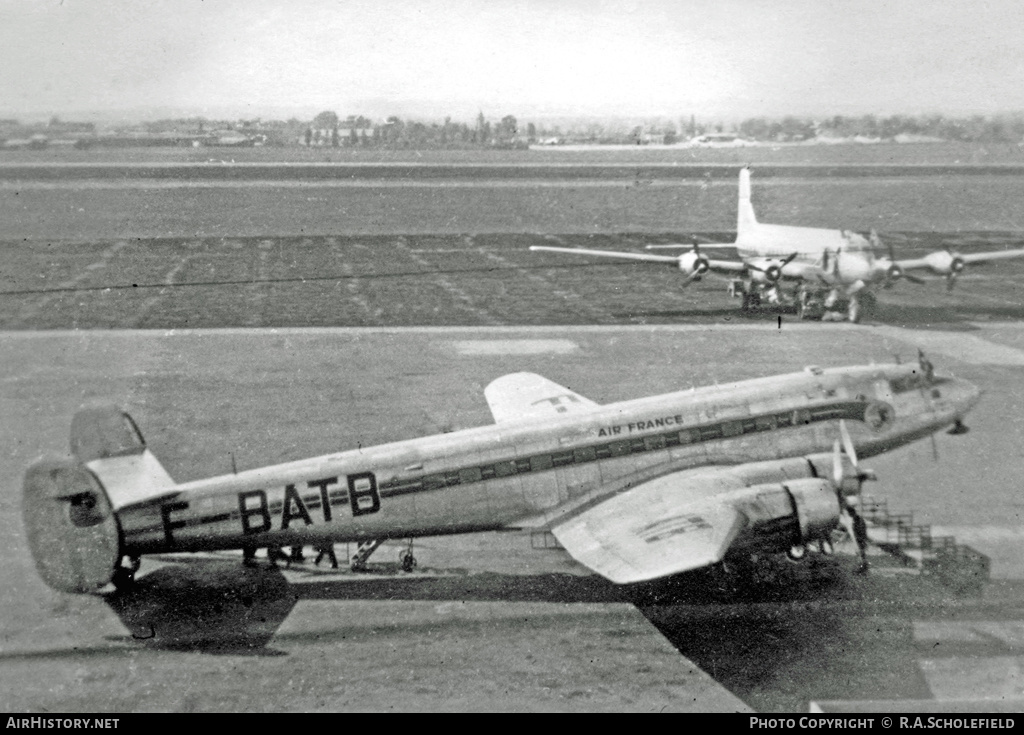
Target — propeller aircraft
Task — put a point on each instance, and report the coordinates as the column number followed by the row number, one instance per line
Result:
column 635, row 490
column 830, row 267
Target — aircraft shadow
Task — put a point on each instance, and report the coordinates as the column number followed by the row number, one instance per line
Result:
column 788, row 634
column 222, row 607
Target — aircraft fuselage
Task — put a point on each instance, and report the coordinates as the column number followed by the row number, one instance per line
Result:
column 495, row 476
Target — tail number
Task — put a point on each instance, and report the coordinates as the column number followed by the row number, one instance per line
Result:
column 362, row 493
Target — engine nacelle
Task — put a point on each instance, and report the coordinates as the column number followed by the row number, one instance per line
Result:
column 945, row 263
column 693, row 264
column 783, row 515
column 72, row 532
column 817, row 507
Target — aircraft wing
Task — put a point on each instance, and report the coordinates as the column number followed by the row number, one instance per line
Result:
column 527, row 395
column 653, row 530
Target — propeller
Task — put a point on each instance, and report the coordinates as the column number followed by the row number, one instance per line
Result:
column 893, row 271
column 947, row 263
column 773, row 272
column 848, row 518
column 693, row 264
column 927, row 369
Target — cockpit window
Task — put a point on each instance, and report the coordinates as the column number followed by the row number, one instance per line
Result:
column 913, row 381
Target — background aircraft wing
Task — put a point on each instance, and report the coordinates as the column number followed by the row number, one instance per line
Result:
column 936, row 262
column 668, row 259
column 527, row 395
column 993, row 255
column 727, row 266
column 654, row 530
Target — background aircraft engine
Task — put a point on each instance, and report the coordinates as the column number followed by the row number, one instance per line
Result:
column 72, row 531
column 693, row 264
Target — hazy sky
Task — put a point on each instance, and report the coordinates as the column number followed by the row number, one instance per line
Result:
column 712, row 58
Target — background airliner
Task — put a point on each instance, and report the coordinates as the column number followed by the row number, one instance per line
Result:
column 831, row 267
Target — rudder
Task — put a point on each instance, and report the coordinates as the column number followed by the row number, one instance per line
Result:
column 745, row 217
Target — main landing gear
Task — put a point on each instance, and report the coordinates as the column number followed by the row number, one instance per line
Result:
column 124, row 575
column 365, row 551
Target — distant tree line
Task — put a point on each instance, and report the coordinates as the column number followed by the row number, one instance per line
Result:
column 1007, row 128
column 331, row 130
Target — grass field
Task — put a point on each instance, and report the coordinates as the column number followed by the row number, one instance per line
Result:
column 431, row 280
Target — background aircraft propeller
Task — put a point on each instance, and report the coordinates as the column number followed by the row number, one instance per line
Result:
column 893, row 272
column 773, row 272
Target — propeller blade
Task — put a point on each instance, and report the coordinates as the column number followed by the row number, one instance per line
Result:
column 837, row 467
column 935, row 448
column 851, row 452
column 788, row 260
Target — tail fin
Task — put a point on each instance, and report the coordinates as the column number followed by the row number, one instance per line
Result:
column 745, row 218
column 107, row 441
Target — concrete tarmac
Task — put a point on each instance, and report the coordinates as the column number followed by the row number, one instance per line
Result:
column 486, row 622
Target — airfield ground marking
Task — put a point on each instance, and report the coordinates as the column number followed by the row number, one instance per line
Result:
column 149, row 304
column 457, row 294
column 351, row 283
column 29, row 311
column 571, row 300
column 257, row 290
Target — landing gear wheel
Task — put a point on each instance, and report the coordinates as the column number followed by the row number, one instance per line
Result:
column 407, row 560
column 825, row 547
column 853, row 312
column 796, row 553
column 123, row 579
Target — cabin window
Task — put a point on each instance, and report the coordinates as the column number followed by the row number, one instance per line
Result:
column 710, row 432
column 603, row 451
column 523, row 465
column 637, row 445
column 765, row 423
column 801, row 417
column 619, row 448
column 652, row 443
column 732, row 428
column 561, row 459
column 487, row 472
column 936, row 393
column 585, row 454
column 541, row 462
column 686, row 436
column 470, row 474
column 504, row 469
